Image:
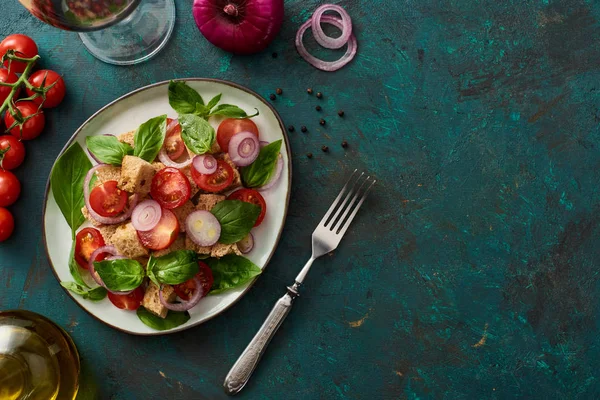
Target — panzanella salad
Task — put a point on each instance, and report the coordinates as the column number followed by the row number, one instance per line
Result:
column 168, row 209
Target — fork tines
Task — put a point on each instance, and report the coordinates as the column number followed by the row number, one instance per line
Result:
column 342, row 212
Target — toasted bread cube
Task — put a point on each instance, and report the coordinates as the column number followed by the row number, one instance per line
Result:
column 108, row 173
column 127, row 138
column 157, row 165
column 207, row 201
column 190, row 245
column 182, row 213
column 136, row 175
column 127, row 243
column 178, row 244
column 108, row 232
column 187, row 171
column 221, row 250
column 151, row 301
column 237, row 179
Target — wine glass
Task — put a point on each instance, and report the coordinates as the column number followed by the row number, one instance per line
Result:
column 121, row 32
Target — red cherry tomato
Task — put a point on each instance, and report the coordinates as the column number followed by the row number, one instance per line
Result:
column 253, row 197
column 186, row 289
column 7, row 224
column 164, row 234
column 170, row 188
column 108, row 200
column 55, row 95
column 173, row 142
column 131, row 301
column 7, row 77
column 32, row 127
column 87, row 241
column 216, row 182
column 232, row 126
column 15, row 155
column 25, row 47
column 10, row 188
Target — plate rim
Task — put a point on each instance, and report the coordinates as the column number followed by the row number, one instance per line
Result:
column 123, row 97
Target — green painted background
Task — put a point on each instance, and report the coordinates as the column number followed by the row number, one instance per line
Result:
column 472, row 271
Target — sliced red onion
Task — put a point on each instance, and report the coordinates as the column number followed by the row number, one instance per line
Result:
column 205, row 164
column 185, row 305
column 94, row 214
column 203, row 228
column 276, row 175
column 264, row 143
column 146, row 215
column 246, row 244
column 243, row 148
column 165, row 159
column 114, row 256
column 328, row 66
column 320, row 36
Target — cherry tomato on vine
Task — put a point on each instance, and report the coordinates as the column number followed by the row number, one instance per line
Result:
column 55, row 95
column 7, row 77
column 12, row 152
column 7, row 224
column 10, row 188
column 32, row 127
column 24, row 46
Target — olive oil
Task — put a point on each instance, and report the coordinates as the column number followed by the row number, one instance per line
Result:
column 38, row 360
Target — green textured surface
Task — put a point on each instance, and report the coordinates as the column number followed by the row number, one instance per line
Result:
column 472, row 271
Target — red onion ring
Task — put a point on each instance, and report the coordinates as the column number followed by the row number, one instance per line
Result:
column 264, row 143
column 114, row 256
column 146, row 215
column 327, row 41
column 246, row 244
column 165, row 159
column 205, row 164
column 243, row 148
column 328, row 66
column 186, row 305
column 94, row 214
column 198, row 226
column 276, row 176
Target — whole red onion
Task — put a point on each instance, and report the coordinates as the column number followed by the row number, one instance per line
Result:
column 239, row 26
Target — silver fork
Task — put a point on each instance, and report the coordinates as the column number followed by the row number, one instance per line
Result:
column 325, row 238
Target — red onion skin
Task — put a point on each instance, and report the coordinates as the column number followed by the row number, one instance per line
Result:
column 239, row 26
column 186, row 305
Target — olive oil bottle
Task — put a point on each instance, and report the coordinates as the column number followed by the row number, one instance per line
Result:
column 38, row 359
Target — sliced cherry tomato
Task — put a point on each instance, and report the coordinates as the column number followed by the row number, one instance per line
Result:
column 25, row 48
column 7, row 77
column 232, row 126
column 87, row 241
column 55, row 95
column 7, row 224
column 186, row 289
column 12, row 152
column 163, row 235
column 108, row 200
column 173, row 142
column 32, row 127
column 131, row 301
column 216, row 182
column 171, row 188
column 251, row 196
column 10, row 188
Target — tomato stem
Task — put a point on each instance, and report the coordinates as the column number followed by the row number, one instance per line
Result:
column 23, row 80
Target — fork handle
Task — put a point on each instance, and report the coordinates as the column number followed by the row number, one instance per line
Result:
column 241, row 371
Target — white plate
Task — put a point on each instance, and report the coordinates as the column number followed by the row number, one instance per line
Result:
column 126, row 114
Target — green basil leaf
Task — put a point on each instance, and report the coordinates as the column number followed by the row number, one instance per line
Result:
column 173, row 268
column 236, row 218
column 74, row 268
column 183, row 98
column 261, row 171
column 202, row 111
column 96, row 294
column 120, row 275
column 108, row 149
column 214, row 101
column 149, row 138
column 197, row 134
column 172, row 320
column 231, row 271
column 66, row 181
column 231, row 111
column 74, row 287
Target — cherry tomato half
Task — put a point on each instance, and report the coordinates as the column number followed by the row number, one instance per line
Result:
column 173, row 142
column 164, row 234
column 108, row 200
column 216, row 182
column 55, row 95
column 15, row 155
column 10, row 188
column 7, row 224
column 253, row 197
column 32, row 127
column 232, row 126
column 186, row 289
column 87, row 241
column 7, row 77
column 131, row 301
column 25, row 47
column 170, row 188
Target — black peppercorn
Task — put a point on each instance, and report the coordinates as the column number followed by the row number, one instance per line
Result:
column 291, row 128
column 341, row 113
column 309, row 155
column 272, row 96
column 303, row 129
column 318, row 108
column 279, row 91
column 274, row 55
column 309, row 91
column 325, row 149
column 344, row 144
column 322, row 121
column 319, row 95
